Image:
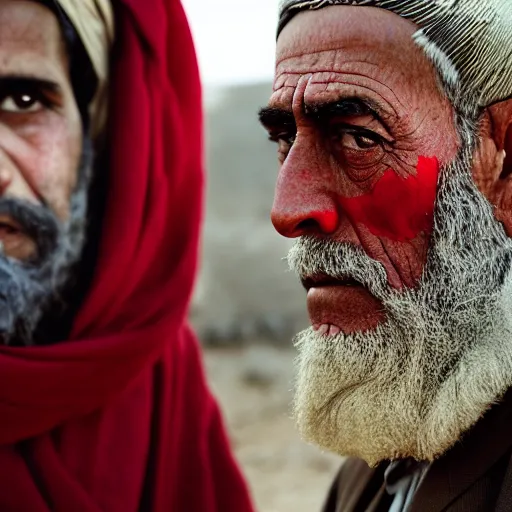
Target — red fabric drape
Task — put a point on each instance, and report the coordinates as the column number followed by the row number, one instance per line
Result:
column 119, row 418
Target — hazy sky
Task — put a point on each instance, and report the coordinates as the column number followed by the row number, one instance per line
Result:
column 235, row 39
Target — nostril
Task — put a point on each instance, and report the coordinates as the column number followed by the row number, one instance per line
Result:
column 307, row 226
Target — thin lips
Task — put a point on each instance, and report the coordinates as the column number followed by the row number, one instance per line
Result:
column 323, row 281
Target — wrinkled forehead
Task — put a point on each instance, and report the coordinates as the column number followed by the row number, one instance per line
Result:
column 469, row 41
column 345, row 29
column 28, row 27
column 370, row 48
column 54, row 11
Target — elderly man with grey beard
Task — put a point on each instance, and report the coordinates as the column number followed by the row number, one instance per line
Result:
column 393, row 121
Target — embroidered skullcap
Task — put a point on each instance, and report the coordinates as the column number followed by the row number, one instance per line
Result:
column 469, row 41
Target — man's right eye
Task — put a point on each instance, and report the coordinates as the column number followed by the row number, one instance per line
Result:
column 285, row 141
column 21, row 102
column 20, row 95
column 283, row 138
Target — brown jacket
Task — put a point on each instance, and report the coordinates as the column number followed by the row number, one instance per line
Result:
column 474, row 476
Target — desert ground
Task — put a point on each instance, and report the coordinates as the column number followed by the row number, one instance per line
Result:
column 246, row 298
column 253, row 385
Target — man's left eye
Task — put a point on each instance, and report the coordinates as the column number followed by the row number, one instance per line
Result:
column 356, row 141
column 21, row 102
column 365, row 142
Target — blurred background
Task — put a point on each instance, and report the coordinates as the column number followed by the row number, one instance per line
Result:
column 247, row 305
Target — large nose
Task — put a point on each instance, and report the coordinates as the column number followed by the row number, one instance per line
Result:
column 304, row 202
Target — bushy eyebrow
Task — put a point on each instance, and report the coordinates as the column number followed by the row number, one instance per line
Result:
column 346, row 107
column 19, row 81
column 271, row 117
column 322, row 112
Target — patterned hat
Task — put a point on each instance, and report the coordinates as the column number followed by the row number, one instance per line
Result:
column 469, row 41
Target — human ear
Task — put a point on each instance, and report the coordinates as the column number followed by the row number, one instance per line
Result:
column 492, row 170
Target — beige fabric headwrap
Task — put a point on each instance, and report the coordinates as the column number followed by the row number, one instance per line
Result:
column 94, row 23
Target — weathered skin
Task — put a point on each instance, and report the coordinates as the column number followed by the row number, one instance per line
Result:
column 40, row 130
column 367, row 53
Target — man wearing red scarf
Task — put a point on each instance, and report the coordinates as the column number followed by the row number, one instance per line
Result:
column 103, row 401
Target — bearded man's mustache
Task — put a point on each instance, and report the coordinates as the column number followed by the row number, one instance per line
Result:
column 316, row 258
column 38, row 223
column 17, row 288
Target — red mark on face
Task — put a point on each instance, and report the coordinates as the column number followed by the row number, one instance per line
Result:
column 326, row 219
column 397, row 208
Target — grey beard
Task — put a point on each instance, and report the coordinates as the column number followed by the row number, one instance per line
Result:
column 29, row 290
column 415, row 384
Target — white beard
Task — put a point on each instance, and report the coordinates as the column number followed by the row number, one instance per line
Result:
column 412, row 386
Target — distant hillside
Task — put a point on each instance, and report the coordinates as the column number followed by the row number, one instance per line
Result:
column 244, row 291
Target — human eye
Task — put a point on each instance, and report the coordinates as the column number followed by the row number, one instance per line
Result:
column 284, row 140
column 359, row 150
column 23, row 95
column 20, row 102
column 354, row 138
column 354, row 141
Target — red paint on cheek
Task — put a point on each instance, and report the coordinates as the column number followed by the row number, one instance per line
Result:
column 397, row 208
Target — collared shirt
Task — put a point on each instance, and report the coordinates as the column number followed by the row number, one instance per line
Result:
column 403, row 479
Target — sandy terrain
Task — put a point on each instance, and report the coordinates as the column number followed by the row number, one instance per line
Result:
column 246, row 292
column 253, row 387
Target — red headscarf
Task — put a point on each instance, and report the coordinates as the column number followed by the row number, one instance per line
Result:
column 119, row 418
